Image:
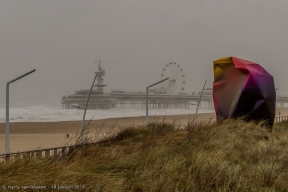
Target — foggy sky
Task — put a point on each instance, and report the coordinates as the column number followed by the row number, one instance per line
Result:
column 61, row 39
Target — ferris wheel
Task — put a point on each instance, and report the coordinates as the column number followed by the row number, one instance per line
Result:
column 176, row 82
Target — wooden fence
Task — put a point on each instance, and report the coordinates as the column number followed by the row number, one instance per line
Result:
column 39, row 153
column 281, row 119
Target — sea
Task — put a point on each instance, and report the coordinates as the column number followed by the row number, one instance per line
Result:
column 42, row 113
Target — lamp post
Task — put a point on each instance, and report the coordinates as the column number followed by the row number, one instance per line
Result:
column 147, row 97
column 7, row 139
column 198, row 103
column 75, row 105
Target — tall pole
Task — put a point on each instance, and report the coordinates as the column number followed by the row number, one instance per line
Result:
column 83, row 121
column 147, row 120
column 99, row 85
column 7, row 135
column 195, row 116
column 7, row 131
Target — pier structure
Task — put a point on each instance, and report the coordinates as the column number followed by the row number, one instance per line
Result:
column 156, row 101
column 161, row 101
column 100, row 100
column 97, row 100
column 158, row 98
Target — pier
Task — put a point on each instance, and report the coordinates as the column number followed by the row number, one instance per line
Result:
column 102, row 100
column 156, row 101
column 159, row 98
column 161, row 101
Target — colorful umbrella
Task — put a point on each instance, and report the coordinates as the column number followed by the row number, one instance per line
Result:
column 244, row 89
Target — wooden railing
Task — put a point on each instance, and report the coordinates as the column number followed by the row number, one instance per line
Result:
column 281, row 119
column 38, row 153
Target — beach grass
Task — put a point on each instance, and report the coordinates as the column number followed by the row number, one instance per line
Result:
column 231, row 156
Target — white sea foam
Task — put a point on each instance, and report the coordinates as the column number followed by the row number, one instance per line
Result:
column 54, row 114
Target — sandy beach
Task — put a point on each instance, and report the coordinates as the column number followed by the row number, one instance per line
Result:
column 32, row 135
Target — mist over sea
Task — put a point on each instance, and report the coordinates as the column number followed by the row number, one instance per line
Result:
column 42, row 113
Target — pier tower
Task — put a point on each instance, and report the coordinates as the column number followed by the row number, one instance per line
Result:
column 98, row 100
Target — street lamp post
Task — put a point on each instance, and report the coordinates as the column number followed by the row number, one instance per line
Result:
column 147, row 97
column 7, row 139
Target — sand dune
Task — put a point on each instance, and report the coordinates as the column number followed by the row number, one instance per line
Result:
column 31, row 135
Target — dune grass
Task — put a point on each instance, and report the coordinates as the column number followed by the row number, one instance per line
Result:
column 231, row 156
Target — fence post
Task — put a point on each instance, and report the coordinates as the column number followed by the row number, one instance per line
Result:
column 71, row 148
column 39, row 154
column 63, row 151
column 7, row 157
column 26, row 155
column 47, row 152
column 55, row 152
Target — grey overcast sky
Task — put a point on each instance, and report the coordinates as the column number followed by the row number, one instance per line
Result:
column 61, row 39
